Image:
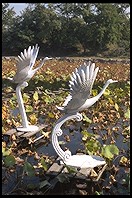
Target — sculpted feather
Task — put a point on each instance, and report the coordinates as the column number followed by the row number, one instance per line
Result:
column 81, row 84
column 25, row 64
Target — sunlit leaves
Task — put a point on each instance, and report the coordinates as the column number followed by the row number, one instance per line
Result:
column 92, row 145
column 94, row 92
column 108, row 117
column 51, row 115
column 110, row 111
column 48, row 71
column 48, row 99
column 9, row 121
column 35, row 96
column 13, row 101
column 4, row 112
column 25, row 98
column 11, row 74
column 86, row 119
column 127, row 114
column 8, row 90
column 107, row 92
column 5, row 151
column 85, row 135
column 43, row 163
column 111, row 101
column 33, row 119
column 39, row 77
column 116, row 107
column 109, row 151
column 126, row 132
column 29, row 108
column 123, row 161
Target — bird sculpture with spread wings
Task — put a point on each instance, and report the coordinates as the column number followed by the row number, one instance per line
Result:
column 79, row 99
column 81, row 84
column 24, row 73
column 25, row 65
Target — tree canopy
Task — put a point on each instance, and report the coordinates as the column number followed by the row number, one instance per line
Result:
column 63, row 29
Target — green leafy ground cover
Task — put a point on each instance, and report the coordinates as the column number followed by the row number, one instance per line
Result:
column 104, row 130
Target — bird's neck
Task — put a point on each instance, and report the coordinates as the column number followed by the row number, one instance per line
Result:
column 102, row 91
column 41, row 64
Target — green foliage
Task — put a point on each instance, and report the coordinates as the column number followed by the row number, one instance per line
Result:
column 86, row 119
column 5, row 151
column 43, row 163
column 35, row 96
column 71, row 169
column 25, row 98
column 116, row 107
column 48, row 99
column 98, row 193
column 29, row 169
column 102, row 124
column 94, row 92
column 92, row 145
column 85, row 135
column 67, row 28
column 109, row 151
column 127, row 114
column 8, row 15
column 9, row 160
column 107, row 92
column 29, row 108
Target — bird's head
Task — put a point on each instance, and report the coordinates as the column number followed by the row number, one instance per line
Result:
column 47, row 58
column 111, row 81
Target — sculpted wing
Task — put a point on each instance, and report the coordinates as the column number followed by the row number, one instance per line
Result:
column 26, row 62
column 81, row 84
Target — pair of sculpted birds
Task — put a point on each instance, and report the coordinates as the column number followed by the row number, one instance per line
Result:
column 81, row 82
column 79, row 99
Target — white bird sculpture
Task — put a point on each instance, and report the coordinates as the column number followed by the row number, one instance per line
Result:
column 81, row 84
column 25, row 65
column 24, row 73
